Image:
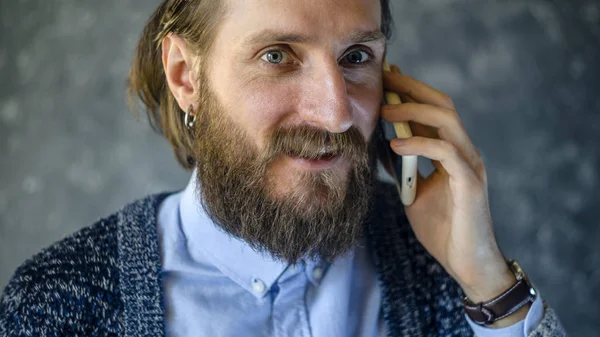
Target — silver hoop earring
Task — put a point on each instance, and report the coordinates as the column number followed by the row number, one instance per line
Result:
column 189, row 119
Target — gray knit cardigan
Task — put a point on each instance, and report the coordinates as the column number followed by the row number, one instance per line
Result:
column 105, row 280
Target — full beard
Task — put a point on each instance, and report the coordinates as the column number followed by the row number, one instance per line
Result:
column 321, row 216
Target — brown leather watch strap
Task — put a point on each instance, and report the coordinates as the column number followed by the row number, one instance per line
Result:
column 508, row 302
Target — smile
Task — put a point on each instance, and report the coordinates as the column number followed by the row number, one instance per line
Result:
column 322, row 163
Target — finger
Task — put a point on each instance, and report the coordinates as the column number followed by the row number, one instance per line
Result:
column 448, row 124
column 424, row 114
column 418, row 129
column 425, row 131
column 403, row 97
column 419, row 91
column 435, row 149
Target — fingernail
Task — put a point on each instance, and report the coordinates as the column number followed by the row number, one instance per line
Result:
column 396, row 69
column 398, row 142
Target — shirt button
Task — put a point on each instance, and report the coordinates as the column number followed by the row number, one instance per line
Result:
column 258, row 286
column 317, row 273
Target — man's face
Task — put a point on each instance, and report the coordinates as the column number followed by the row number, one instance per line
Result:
column 289, row 102
column 315, row 82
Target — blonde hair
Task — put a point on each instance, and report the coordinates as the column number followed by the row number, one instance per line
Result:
column 196, row 21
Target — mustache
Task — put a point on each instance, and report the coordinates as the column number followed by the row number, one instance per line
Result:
column 314, row 143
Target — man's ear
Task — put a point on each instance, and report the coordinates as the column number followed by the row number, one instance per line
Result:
column 178, row 63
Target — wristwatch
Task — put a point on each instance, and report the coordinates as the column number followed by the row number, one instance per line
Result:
column 508, row 302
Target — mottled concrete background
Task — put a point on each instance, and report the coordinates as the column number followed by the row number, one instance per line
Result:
column 524, row 75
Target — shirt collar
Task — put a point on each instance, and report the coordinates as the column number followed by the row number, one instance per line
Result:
column 207, row 242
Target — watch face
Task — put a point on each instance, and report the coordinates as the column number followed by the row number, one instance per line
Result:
column 520, row 275
column 516, row 269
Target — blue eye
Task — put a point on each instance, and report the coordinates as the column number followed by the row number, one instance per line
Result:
column 357, row 57
column 275, row 56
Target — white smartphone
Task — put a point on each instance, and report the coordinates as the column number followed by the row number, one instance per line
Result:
column 406, row 179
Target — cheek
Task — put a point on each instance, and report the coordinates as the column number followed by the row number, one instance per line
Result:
column 259, row 107
column 366, row 102
column 261, row 104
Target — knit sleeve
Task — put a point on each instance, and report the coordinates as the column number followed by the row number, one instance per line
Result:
column 550, row 326
column 70, row 288
column 22, row 310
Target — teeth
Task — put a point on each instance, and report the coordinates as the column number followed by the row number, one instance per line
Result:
column 324, row 150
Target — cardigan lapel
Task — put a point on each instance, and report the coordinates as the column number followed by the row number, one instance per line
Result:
column 139, row 266
column 388, row 234
column 419, row 297
column 389, row 237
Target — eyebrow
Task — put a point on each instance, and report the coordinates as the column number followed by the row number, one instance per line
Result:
column 271, row 36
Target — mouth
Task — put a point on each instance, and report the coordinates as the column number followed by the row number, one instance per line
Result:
column 321, row 162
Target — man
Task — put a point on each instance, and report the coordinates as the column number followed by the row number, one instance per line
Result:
column 284, row 229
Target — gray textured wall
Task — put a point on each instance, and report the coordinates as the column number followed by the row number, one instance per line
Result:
column 524, row 75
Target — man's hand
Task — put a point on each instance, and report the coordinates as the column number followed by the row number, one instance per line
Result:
column 450, row 215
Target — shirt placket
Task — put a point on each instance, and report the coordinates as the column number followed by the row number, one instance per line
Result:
column 290, row 313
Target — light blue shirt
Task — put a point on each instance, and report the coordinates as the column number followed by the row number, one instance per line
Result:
column 216, row 285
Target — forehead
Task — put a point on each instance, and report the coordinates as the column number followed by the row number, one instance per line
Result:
column 319, row 20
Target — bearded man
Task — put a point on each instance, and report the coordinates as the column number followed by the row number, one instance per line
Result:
column 284, row 228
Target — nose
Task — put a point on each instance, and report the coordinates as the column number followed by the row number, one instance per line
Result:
column 325, row 103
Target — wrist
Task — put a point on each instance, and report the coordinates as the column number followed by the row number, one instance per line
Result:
column 486, row 277
column 501, row 302
column 489, row 286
